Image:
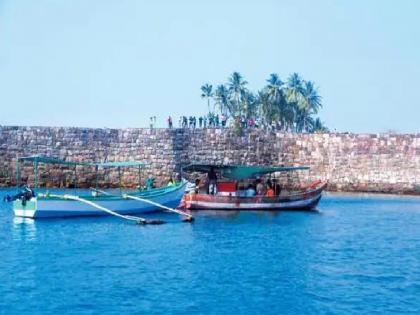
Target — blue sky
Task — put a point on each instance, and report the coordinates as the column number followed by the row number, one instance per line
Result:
column 115, row 63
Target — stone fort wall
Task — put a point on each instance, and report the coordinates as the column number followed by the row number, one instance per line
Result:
column 350, row 162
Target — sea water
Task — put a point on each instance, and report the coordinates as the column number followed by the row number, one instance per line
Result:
column 360, row 254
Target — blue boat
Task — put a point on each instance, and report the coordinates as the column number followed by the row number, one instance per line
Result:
column 30, row 204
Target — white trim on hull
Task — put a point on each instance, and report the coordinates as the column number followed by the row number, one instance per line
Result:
column 24, row 213
column 298, row 204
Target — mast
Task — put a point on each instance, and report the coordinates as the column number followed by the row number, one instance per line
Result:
column 139, row 176
column 36, row 173
column 75, row 176
column 17, row 172
column 119, row 177
column 96, row 176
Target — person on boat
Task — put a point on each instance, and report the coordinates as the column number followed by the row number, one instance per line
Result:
column 150, row 182
column 190, row 188
column 270, row 190
column 260, row 188
column 250, row 191
column 277, row 189
column 193, row 188
column 212, row 181
column 171, row 182
column 240, row 189
column 25, row 194
column 197, row 186
column 276, row 186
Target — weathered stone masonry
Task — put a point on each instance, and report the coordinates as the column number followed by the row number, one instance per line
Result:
column 350, row 162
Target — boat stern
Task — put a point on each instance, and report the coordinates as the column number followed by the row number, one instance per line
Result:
column 25, row 210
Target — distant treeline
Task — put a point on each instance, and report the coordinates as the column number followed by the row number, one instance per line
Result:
column 286, row 106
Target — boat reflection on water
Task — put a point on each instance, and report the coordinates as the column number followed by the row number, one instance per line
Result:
column 229, row 214
column 216, row 213
column 24, row 229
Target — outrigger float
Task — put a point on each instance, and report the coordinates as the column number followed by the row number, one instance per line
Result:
column 228, row 196
column 29, row 204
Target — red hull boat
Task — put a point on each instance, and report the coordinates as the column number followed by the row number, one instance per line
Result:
column 227, row 197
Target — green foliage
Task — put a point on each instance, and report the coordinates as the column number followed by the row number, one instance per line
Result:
column 207, row 93
column 289, row 106
column 319, row 127
column 222, row 100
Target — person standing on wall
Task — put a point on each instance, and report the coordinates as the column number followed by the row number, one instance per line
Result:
column 170, row 122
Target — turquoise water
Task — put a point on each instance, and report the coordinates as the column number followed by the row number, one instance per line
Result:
column 359, row 254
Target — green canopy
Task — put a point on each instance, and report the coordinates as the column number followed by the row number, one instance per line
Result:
column 48, row 160
column 36, row 159
column 241, row 171
column 120, row 164
column 51, row 160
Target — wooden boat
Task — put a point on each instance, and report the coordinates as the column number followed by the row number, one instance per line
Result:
column 46, row 205
column 228, row 197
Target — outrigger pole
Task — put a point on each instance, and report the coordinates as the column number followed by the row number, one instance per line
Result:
column 189, row 217
column 138, row 220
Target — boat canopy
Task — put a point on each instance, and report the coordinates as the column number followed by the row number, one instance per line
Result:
column 47, row 160
column 238, row 172
column 51, row 160
column 36, row 159
column 120, row 164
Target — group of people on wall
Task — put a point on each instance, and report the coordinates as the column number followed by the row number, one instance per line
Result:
column 193, row 122
column 211, row 121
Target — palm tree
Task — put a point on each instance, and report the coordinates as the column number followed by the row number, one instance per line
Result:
column 249, row 105
column 266, row 111
column 290, row 106
column 288, row 119
column 274, row 87
column 311, row 99
column 222, row 100
column 318, row 126
column 237, row 90
column 303, row 120
column 294, row 89
column 279, row 104
column 207, row 92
